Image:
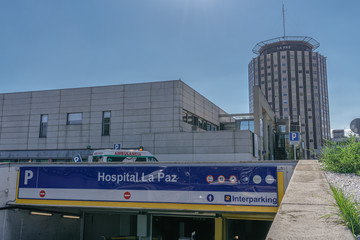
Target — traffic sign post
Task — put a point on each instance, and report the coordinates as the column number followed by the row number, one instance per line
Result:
column 294, row 138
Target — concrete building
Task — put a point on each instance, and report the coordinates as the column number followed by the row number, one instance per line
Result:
column 338, row 133
column 169, row 119
column 293, row 79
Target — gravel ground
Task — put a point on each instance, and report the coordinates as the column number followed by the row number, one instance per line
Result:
column 349, row 183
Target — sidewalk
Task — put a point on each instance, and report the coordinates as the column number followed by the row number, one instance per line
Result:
column 307, row 199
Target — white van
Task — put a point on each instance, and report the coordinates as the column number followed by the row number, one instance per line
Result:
column 123, row 156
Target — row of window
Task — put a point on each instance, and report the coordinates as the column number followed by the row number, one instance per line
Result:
column 75, row 119
column 194, row 120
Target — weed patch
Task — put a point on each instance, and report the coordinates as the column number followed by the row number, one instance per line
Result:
column 349, row 210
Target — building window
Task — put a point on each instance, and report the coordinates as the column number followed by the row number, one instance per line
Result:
column 282, row 128
column 185, row 116
column 247, row 125
column 43, row 125
column 74, row 118
column 106, row 123
column 190, row 119
column 198, row 121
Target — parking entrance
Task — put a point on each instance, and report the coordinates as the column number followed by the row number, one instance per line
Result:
column 104, row 226
column 184, row 228
column 146, row 226
column 154, row 202
column 247, row 229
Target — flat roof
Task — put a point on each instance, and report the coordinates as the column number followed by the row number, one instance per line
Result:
column 306, row 40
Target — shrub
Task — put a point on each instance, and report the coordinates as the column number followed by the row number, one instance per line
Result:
column 341, row 157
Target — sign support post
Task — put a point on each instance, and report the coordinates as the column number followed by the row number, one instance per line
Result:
column 294, row 138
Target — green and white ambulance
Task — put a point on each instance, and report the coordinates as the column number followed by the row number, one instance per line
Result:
column 122, row 156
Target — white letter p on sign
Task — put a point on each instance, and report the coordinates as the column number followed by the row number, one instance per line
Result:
column 28, row 175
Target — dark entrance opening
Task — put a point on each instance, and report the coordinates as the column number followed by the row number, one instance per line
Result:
column 176, row 228
column 247, row 229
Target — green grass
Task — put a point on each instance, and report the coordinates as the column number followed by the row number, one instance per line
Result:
column 349, row 210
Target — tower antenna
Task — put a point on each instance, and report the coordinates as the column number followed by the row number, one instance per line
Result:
column 283, row 13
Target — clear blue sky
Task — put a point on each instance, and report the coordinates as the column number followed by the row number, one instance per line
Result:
column 46, row 44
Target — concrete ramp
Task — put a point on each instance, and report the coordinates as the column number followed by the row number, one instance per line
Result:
column 307, row 199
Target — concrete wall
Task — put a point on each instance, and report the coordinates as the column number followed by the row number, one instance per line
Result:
column 8, row 180
column 197, row 104
column 213, row 146
column 264, row 124
column 7, row 193
column 136, row 109
column 308, row 210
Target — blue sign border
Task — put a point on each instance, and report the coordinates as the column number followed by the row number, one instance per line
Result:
column 226, row 180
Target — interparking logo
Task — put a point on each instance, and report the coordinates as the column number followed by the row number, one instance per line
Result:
column 227, row 198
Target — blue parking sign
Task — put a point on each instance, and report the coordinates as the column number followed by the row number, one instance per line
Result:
column 77, row 158
column 117, row 146
column 294, row 137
